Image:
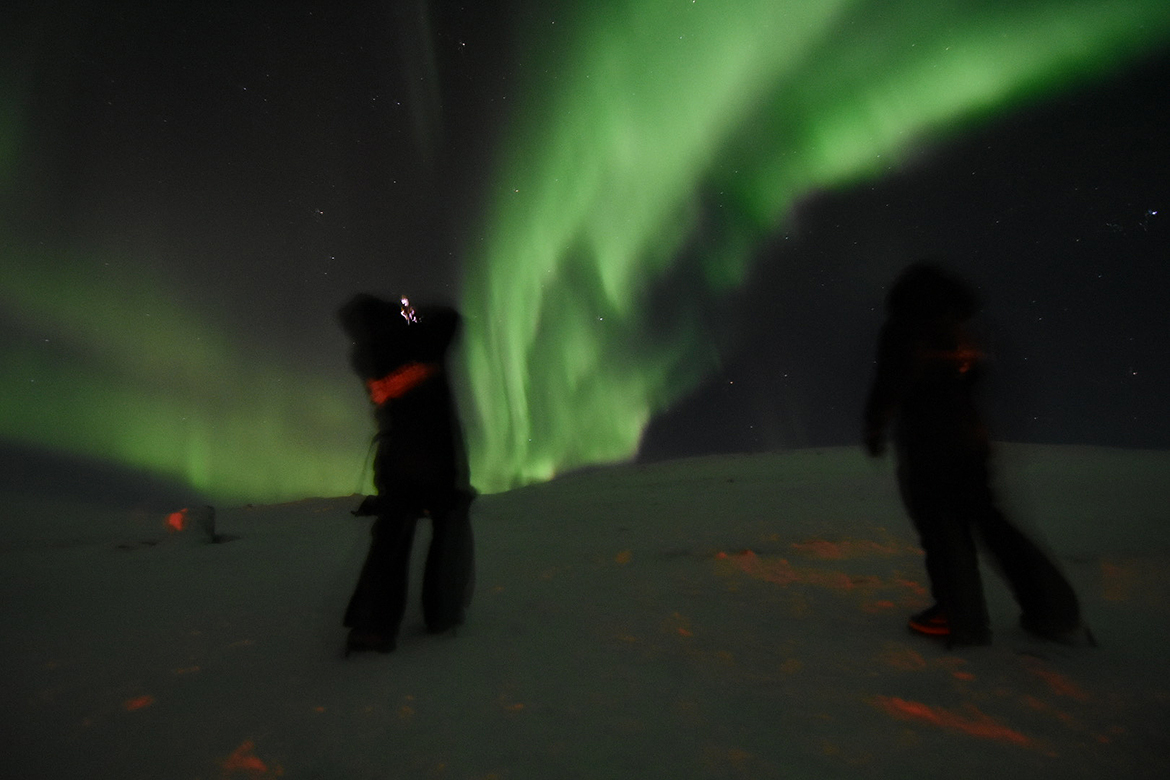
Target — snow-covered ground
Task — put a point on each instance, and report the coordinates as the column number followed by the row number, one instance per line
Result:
column 722, row 617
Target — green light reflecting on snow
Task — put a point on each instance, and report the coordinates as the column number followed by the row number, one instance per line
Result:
column 112, row 365
column 655, row 131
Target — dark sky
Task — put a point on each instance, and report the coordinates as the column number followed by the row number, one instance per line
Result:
column 283, row 154
column 275, row 158
column 1057, row 213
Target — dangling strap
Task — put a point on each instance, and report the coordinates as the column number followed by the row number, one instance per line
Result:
column 399, row 382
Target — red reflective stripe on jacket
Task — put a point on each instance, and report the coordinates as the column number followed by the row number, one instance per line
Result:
column 963, row 357
column 399, row 382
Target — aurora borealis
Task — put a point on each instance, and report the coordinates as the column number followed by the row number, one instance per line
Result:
column 125, row 371
column 658, row 106
column 592, row 183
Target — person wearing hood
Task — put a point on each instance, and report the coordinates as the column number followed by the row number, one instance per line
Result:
column 420, row 470
column 928, row 366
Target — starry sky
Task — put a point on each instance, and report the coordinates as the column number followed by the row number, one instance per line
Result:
column 190, row 193
column 1057, row 213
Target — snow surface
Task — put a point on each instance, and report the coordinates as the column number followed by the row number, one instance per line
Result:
column 721, row 617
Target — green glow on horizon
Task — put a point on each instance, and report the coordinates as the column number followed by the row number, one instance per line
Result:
column 653, row 117
column 113, row 366
column 652, row 106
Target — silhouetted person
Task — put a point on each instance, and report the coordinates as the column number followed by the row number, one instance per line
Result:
column 927, row 368
column 420, row 470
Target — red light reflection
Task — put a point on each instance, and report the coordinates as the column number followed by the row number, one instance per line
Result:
column 177, row 521
column 977, row 724
column 243, row 759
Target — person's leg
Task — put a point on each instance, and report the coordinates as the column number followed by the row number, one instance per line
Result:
column 379, row 601
column 1047, row 600
column 960, row 586
column 951, row 560
column 449, row 578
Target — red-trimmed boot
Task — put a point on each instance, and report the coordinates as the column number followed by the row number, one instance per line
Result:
column 931, row 621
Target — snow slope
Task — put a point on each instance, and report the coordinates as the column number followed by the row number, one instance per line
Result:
column 722, row 617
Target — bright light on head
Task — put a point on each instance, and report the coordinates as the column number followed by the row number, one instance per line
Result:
column 407, row 311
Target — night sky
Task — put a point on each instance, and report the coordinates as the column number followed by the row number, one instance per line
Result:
column 1057, row 213
column 237, row 170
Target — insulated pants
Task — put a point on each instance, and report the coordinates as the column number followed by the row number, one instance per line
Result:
column 951, row 504
column 379, row 600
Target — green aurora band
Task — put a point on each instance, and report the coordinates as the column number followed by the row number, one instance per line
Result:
column 655, row 140
column 655, row 111
column 112, row 364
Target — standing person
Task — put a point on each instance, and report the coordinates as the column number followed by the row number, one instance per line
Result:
column 927, row 368
column 420, row 470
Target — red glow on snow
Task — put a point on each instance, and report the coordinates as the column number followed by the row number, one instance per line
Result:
column 911, row 584
column 679, row 624
column 509, row 705
column 847, row 548
column 400, row 382
column 1031, row 701
column 1057, row 682
column 903, row 658
column 820, row 548
column 976, row 723
column 781, row 572
column 243, row 759
column 778, row 570
column 138, row 703
column 177, row 520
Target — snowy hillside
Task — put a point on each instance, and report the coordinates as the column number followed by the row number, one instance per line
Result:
column 722, row 617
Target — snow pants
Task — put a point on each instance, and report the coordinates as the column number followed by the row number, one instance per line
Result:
column 950, row 502
column 379, row 600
